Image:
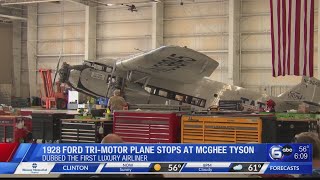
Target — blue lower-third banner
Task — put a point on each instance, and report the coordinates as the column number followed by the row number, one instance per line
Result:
column 157, row 158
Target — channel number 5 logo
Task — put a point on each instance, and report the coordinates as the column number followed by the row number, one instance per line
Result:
column 277, row 152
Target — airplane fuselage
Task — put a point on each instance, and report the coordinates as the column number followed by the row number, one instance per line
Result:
column 139, row 89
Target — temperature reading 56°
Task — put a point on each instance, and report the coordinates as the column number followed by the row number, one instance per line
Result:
column 174, row 167
column 303, row 148
column 254, row 167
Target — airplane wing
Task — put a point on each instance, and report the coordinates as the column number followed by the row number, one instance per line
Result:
column 299, row 102
column 172, row 63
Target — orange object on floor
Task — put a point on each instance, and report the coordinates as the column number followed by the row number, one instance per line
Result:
column 50, row 98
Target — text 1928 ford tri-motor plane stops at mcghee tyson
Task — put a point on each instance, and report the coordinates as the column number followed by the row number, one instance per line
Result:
column 179, row 74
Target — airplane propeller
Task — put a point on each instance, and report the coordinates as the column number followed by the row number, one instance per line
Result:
column 57, row 69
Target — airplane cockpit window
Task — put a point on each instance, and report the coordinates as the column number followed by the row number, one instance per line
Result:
column 153, row 90
column 163, row 93
column 109, row 70
column 203, row 103
column 148, row 89
column 175, row 96
column 179, row 97
column 188, row 99
column 196, row 101
column 98, row 67
column 171, row 95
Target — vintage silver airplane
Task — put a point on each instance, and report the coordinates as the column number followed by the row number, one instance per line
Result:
column 178, row 74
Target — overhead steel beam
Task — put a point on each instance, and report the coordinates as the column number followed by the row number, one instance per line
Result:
column 11, row 14
column 13, row 17
column 19, row 2
column 83, row 2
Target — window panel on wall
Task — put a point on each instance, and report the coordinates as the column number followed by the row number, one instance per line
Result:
column 200, row 43
column 256, row 60
column 49, row 19
column 78, row 17
column 196, row 26
column 122, row 29
column 48, row 48
column 119, row 46
column 49, row 33
column 255, row 6
column 73, row 47
column 253, row 42
column 263, row 78
column 55, row 33
column 196, row 9
column 76, row 32
column 255, row 23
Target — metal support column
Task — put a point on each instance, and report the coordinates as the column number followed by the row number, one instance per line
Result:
column 157, row 24
column 16, row 45
column 234, row 43
column 32, row 33
column 318, row 40
column 90, row 33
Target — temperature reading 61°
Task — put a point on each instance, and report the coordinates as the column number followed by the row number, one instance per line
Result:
column 246, row 167
column 254, row 167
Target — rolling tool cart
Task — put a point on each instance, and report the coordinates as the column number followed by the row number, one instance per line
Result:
column 221, row 129
column 147, row 126
column 84, row 130
column 15, row 129
column 46, row 126
column 245, row 128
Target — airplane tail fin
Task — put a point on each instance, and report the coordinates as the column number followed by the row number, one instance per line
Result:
column 307, row 91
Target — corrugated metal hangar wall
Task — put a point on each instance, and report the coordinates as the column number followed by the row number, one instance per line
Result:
column 200, row 25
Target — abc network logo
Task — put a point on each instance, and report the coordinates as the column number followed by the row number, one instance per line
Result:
column 277, row 152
